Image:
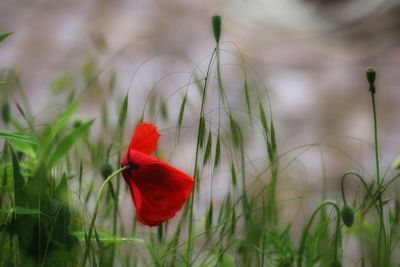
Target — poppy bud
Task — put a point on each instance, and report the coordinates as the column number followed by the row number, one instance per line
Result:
column 216, row 24
column 106, row 170
column 5, row 113
column 347, row 215
column 371, row 75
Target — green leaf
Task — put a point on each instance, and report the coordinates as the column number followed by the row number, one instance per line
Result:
column 108, row 238
column 3, row 36
column 21, row 211
column 20, row 136
column 55, row 128
column 19, row 182
column 67, row 142
column 121, row 120
column 62, row 222
column 23, row 147
column 61, row 192
column 37, row 189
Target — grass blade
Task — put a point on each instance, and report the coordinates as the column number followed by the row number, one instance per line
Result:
column 19, row 182
column 3, row 36
column 67, row 142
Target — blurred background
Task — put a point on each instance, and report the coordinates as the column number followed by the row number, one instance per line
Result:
column 310, row 54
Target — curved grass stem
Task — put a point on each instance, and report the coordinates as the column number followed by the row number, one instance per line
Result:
column 96, row 209
column 307, row 228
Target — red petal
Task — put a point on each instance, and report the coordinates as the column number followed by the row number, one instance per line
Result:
column 158, row 190
column 145, row 138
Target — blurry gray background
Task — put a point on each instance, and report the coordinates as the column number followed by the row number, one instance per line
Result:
column 311, row 55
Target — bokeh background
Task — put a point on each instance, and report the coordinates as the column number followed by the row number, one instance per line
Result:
column 310, row 54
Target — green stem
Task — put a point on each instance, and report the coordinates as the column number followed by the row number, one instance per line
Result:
column 363, row 183
column 96, row 209
column 203, row 100
column 307, row 228
column 375, row 138
column 378, row 180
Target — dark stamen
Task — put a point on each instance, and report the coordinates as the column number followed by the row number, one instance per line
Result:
column 134, row 166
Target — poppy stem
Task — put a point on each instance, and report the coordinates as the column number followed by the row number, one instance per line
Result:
column 96, row 209
column 307, row 228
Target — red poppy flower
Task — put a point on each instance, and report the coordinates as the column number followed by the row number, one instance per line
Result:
column 158, row 190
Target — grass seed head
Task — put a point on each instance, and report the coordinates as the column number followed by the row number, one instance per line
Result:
column 216, row 24
column 371, row 75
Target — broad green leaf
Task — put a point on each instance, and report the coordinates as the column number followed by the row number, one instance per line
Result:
column 37, row 189
column 20, row 136
column 23, row 147
column 61, row 193
column 67, row 142
column 55, row 128
column 62, row 221
column 3, row 36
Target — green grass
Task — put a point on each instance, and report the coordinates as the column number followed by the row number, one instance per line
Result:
column 62, row 195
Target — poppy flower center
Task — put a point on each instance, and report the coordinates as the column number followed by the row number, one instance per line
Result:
column 134, row 166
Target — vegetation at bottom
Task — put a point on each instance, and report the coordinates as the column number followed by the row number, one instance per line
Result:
column 53, row 164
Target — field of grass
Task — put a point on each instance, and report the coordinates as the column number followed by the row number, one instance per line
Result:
column 62, row 196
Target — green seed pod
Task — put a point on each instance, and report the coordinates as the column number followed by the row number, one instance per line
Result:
column 371, row 75
column 106, row 170
column 77, row 124
column 216, row 24
column 6, row 113
column 347, row 215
